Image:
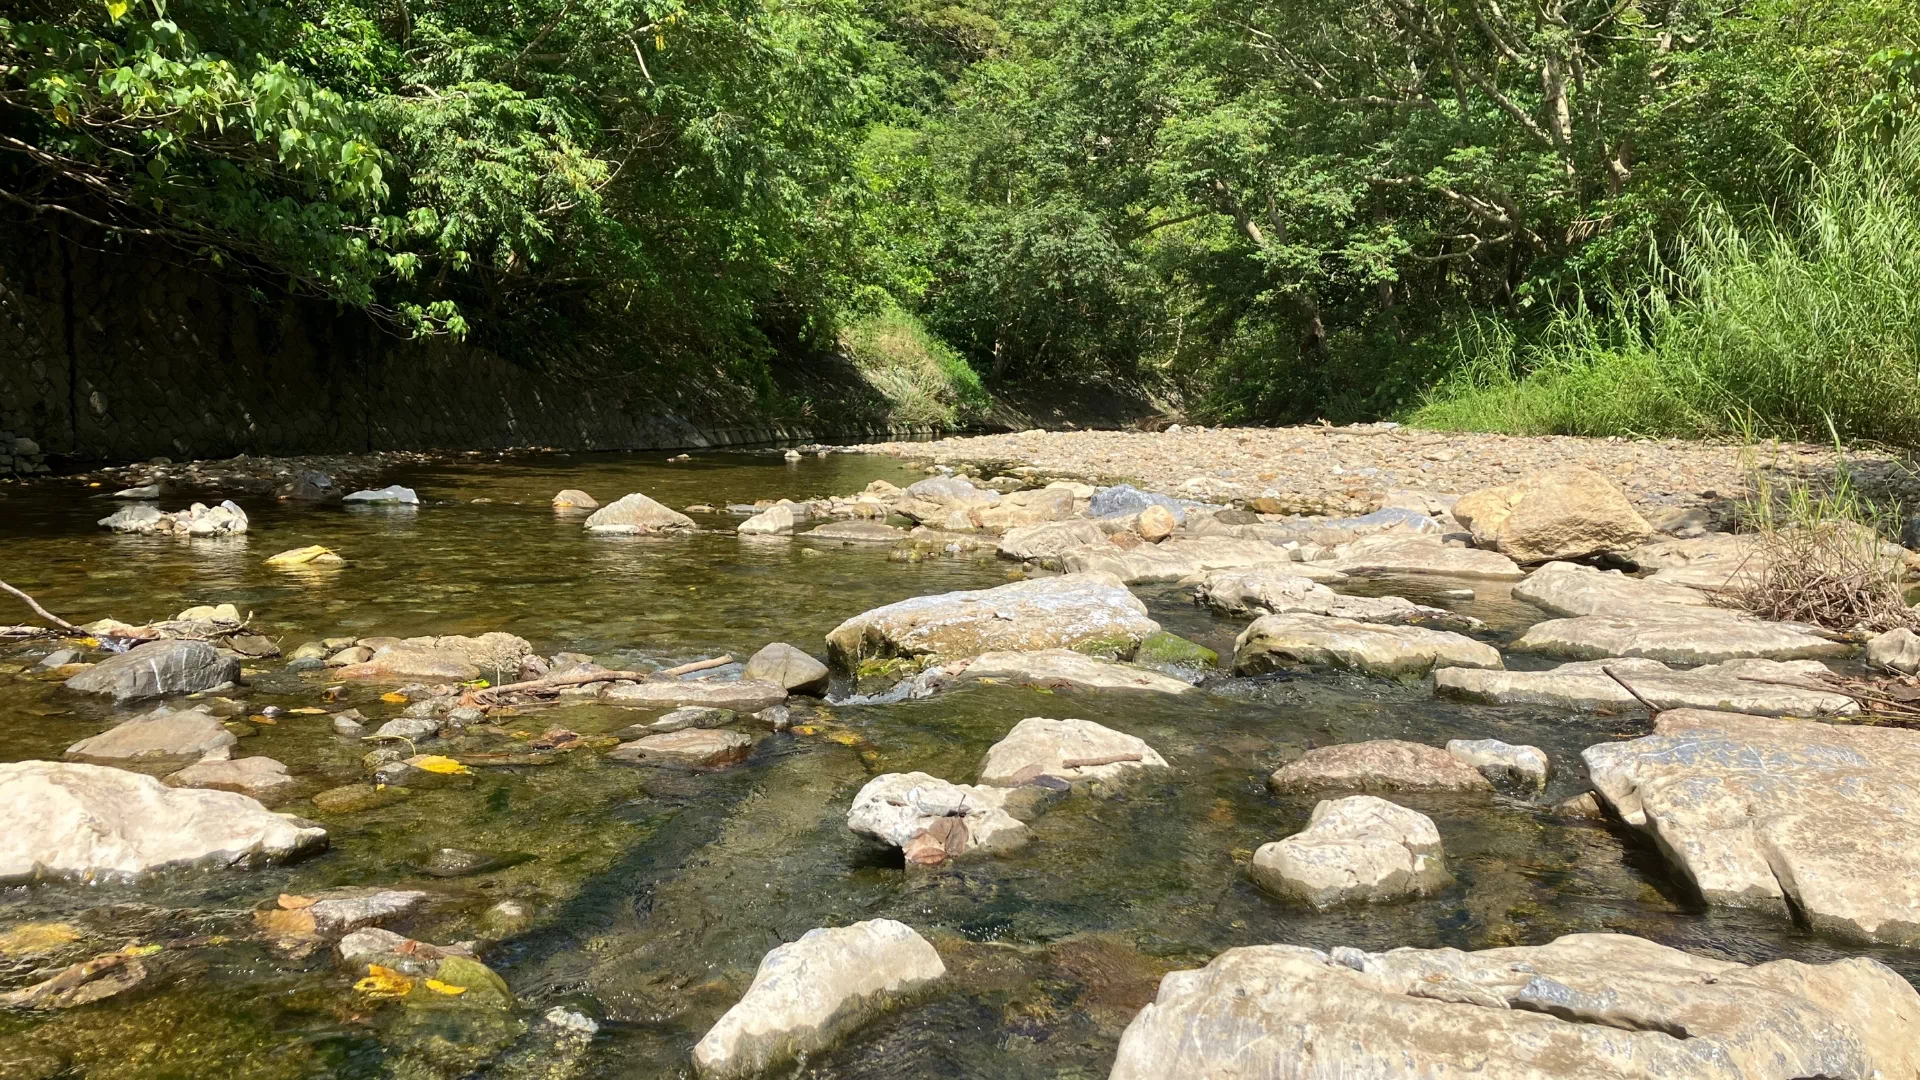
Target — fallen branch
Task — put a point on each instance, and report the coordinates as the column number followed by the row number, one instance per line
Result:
column 1652, row 709
column 43, row 612
column 698, row 665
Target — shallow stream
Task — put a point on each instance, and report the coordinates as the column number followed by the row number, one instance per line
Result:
column 654, row 894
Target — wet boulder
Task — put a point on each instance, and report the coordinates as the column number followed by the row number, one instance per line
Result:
column 774, row 520
column 1783, row 815
column 161, row 733
column 1278, row 642
column 1586, row 1005
column 635, row 514
column 1381, row 765
column 788, row 668
column 261, row 778
column 1125, row 500
column 933, row 821
column 92, row 822
column 335, row 913
column 1089, row 613
column 1566, row 513
column 809, row 993
column 1523, row 767
column 1074, row 751
column 1051, row 669
column 693, row 748
column 1359, row 849
column 1748, row 686
column 158, row 669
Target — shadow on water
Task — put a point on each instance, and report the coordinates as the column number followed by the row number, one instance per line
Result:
column 655, row 893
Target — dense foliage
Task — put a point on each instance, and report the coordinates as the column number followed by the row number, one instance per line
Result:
column 1271, row 210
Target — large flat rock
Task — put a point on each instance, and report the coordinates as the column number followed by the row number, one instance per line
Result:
column 741, row 695
column 1278, row 591
column 1678, row 635
column 1051, row 669
column 161, row 733
column 808, row 993
column 450, row 657
column 932, row 820
column 1069, row 750
column 1765, row 812
column 1360, row 849
column 1278, row 642
column 1570, row 589
column 1585, row 1006
column 1748, row 686
column 158, row 669
column 90, row 822
column 1377, row 765
column 1184, row 557
column 1090, row 613
column 1417, row 555
column 1051, row 539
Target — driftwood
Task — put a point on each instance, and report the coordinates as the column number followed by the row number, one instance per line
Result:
column 556, row 683
column 1652, row 709
column 43, row 612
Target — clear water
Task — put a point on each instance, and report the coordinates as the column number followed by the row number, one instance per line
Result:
column 654, row 894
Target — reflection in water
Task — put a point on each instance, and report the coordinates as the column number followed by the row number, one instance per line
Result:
column 654, row 893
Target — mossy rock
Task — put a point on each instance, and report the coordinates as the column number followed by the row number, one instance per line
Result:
column 1165, row 648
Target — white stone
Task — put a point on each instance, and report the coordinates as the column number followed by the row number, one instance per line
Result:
column 772, row 521
column 1052, row 669
column 1898, row 649
column 1519, row 766
column 1070, row 750
column 1185, row 557
column 1678, row 635
column 391, row 495
column 1360, row 849
column 1086, row 612
column 1570, row 589
column 898, row 808
column 1275, row 642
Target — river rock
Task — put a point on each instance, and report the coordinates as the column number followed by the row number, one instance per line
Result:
column 261, row 777
column 163, row 732
column 858, row 532
column 1524, row 767
column 143, row 491
column 1585, row 685
column 91, row 822
column 335, row 913
column 158, row 669
column 1278, row 591
column 785, row 666
column 688, row 716
column 1712, row 563
column 1565, row 513
column 635, row 513
column 575, row 499
column 1155, row 524
column 80, row 984
column 1763, row 812
column 771, row 521
column 449, row 658
column 226, row 519
column 1380, row 765
column 1069, row 750
column 697, row 748
column 1586, row 1005
column 1024, row 508
column 391, row 495
column 1677, row 635
column 1359, row 849
column 744, row 695
column 1052, row 669
column 932, row 820
column 808, row 993
column 1419, row 555
column 1090, row 613
column 1898, row 649
column 1277, row 642
column 1570, row 590
column 1185, row 557
column 1050, row 540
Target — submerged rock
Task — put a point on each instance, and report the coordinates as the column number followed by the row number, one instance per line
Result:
column 787, row 667
column 80, row 984
column 1089, row 613
column 1748, row 686
column 633, row 514
column 1276, row 642
column 1524, row 767
column 932, row 820
column 858, row 532
column 1052, row 669
column 1779, row 814
column 1277, row 591
column 1586, row 1005
column 808, row 993
column 391, row 495
column 1564, row 513
column 158, row 669
column 260, row 777
column 163, row 732
column 697, row 748
column 1359, row 849
column 335, row 913
column 92, row 822
column 1071, row 750
column 1379, row 765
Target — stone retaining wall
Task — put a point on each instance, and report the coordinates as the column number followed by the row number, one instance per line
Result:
column 116, row 354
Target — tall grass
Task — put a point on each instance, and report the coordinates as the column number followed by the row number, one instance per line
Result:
column 1790, row 325
column 925, row 382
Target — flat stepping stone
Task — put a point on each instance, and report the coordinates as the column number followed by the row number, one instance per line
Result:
column 1278, row 591
column 1280, row 642
column 1185, row 557
column 1359, row 849
column 1378, row 765
column 1052, row 669
column 1069, row 750
column 1421, row 556
column 1748, row 686
column 1790, row 816
column 1570, row 589
column 1682, row 636
column 261, row 777
column 1091, row 613
column 1507, row 765
column 858, row 532
column 742, row 695
column 161, row 733
column 697, row 748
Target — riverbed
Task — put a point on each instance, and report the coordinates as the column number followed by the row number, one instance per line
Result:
column 652, row 894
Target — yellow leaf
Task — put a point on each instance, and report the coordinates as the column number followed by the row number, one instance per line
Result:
column 448, row 989
column 394, row 698
column 90, row 642
column 294, row 902
column 844, row 738
column 312, row 555
column 141, row 950
column 434, row 763
column 802, row 729
column 307, row 710
column 262, row 718
column 116, row 9
column 477, row 684
column 384, row 982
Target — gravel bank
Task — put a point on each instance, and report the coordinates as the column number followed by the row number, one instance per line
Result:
column 1351, row 469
